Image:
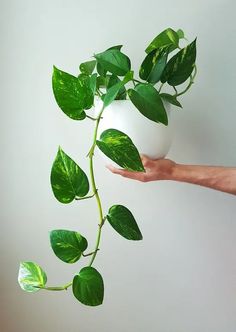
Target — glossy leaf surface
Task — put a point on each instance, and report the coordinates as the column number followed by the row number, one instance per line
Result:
column 68, row 180
column 31, row 277
column 119, row 147
column 67, row 245
column 114, row 61
column 148, row 101
column 87, row 67
column 88, row 286
column 73, row 95
column 171, row 99
column 180, row 66
column 167, row 37
column 122, row 220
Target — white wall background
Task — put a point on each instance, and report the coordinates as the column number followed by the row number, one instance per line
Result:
column 182, row 276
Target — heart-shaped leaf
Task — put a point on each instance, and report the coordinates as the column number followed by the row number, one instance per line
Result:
column 119, row 147
column 68, row 180
column 148, row 101
column 87, row 67
column 171, row 99
column 122, row 220
column 167, row 37
column 88, row 286
column 153, row 65
column 31, row 277
column 67, row 245
column 114, row 61
column 180, row 66
column 73, row 95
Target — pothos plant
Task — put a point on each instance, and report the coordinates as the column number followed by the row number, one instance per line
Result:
column 106, row 77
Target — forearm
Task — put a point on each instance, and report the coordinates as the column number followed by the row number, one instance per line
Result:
column 215, row 177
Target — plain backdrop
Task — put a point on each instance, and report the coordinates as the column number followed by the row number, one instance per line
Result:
column 182, row 276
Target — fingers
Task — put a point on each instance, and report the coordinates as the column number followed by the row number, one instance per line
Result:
column 139, row 176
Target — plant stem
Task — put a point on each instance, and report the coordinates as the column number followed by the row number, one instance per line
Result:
column 91, row 154
column 86, row 197
column 59, row 288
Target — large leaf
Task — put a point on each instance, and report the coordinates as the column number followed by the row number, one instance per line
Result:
column 148, row 101
column 171, row 99
column 31, row 277
column 87, row 67
column 167, row 37
column 180, row 66
column 88, row 286
column 153, row 65
column 119, row 147
column 114, row 61
column 68, row 180
column 73, row 95
column 67, row 245
column 122, row 220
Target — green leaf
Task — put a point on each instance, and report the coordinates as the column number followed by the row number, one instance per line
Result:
column 167, row 37
column 119, row 147
column 68, row 180
column 153, row 65
column 114, row 80
column 87, row 67
column 31, row 277
column 114, row 61
column 101, row 71
column 180, row 33
column 122, row 220
column 148, row 101
column 73, row 95
column 117, row 47
column 88, row 286
column 93, row 82
column 113, row 91
column 180, row 66
column 67, row 245
column 171, row 99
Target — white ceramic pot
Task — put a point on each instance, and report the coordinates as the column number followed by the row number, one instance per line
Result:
column 151, row 138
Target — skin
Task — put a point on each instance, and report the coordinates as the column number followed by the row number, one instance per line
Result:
column 214, row 177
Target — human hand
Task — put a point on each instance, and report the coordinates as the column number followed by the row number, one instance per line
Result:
column 159, row 169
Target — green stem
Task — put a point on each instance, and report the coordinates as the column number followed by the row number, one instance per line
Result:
column 59, row 288
column 86, row 197
column 91, row 154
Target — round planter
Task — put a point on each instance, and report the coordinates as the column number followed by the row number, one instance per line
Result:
column 151, row 139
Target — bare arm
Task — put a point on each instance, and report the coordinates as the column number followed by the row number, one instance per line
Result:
column 215, row 177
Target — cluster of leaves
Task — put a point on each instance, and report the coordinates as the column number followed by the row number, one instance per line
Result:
column 75, row 96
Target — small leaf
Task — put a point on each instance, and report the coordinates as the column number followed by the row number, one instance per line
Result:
column 167, row 37
column 153, row 65
column 180, row 33
column 88, row 286
column 122, row 220
column 119, row 147
column 93, row 82
column 147, row 100
column 31, row 277
column 87, row 67
column 171, row 99
column 180, row 66
column 73, row 95
column 67, row 245
column 68, row 180
column 114, row 61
